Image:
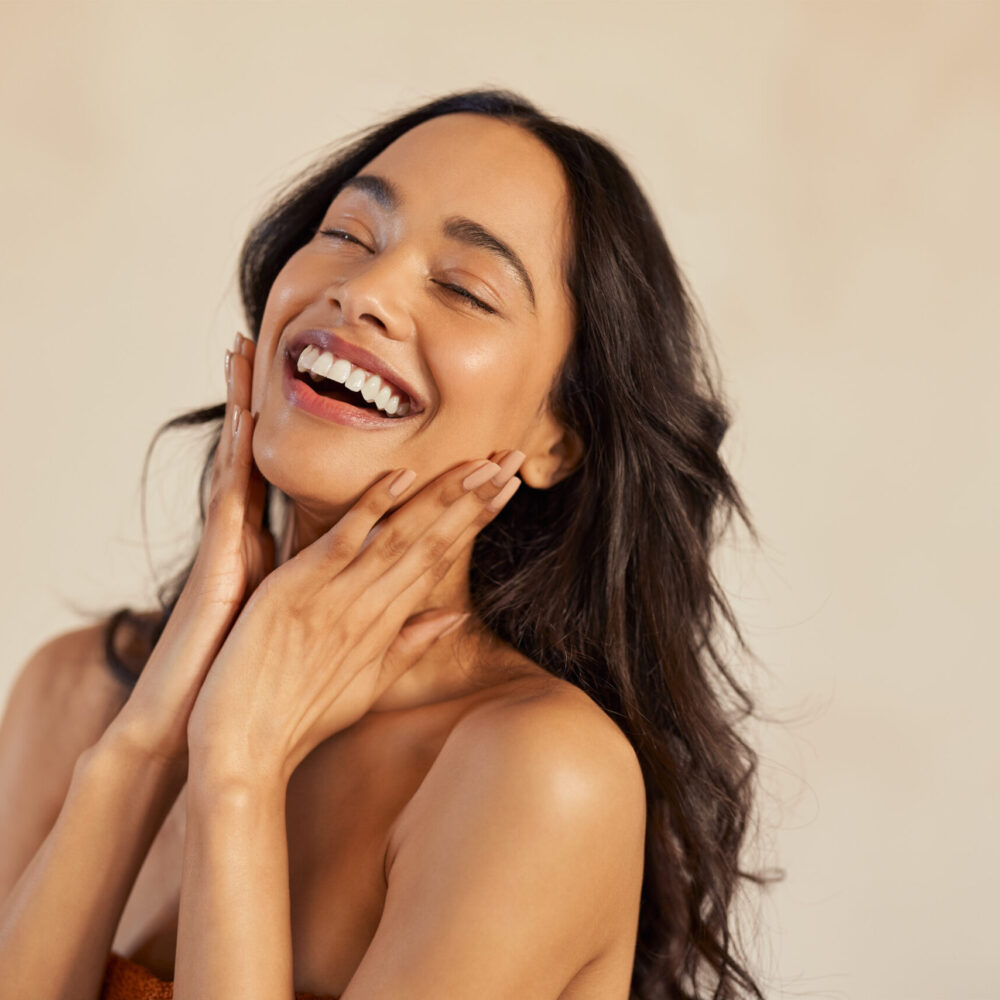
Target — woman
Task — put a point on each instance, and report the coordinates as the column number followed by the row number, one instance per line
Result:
column 435, row 735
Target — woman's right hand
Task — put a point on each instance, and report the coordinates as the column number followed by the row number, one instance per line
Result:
column 234, row 555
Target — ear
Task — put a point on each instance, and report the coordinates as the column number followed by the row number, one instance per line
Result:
column 552, row 451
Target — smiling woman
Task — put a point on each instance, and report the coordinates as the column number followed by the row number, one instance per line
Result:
column 402, row 728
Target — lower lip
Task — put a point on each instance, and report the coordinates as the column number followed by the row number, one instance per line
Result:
column 299, row 394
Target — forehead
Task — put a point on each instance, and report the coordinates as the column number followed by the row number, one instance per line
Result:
column 492, row 172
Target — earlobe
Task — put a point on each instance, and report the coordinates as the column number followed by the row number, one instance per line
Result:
column 544, row 467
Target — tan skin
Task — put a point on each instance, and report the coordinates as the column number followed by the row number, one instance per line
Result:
column 373, row 809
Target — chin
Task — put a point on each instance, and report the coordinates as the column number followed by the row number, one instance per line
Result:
column 313, row 481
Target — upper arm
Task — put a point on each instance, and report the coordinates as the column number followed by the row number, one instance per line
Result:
column 60, row 703
column 519, row 860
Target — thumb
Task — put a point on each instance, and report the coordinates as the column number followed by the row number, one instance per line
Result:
column 418, row 635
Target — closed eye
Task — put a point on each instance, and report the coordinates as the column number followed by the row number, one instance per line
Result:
column 342, row 235
column 345, row 237
column 460, row 291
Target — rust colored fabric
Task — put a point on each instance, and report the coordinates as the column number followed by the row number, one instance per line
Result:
column 127, row 980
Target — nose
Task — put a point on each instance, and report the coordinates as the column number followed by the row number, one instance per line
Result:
column 377, row 294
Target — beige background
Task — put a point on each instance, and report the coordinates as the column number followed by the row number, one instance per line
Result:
column 826, row 174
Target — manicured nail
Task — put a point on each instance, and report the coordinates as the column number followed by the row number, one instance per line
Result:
column 504, row 495
column 229, row 366
column 508, row 467
column 237, row 342
column 402, row 482
column 480, row 475
column 237, row 413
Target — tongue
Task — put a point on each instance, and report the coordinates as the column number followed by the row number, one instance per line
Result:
column 335, row 390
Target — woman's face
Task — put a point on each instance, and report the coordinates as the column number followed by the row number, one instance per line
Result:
column 462, row 202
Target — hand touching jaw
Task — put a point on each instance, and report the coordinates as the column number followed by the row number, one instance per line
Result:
column 439, row 266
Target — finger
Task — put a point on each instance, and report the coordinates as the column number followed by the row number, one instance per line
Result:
column 223, row 449
column 247, row 346
column 262, row 561
column 242, row 373
column 414, row 578
column 423, row 543
column 395, row 536
column 227, row 506
column 414, row 639
column 256, row 495
column 338, row 546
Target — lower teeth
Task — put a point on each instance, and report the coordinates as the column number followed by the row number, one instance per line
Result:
column 335, row 390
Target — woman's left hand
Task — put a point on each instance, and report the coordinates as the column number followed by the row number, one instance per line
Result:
column 327, row 631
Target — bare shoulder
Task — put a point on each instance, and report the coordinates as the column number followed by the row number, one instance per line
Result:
column 66, row 678
column 62, row 699
column 547, row 749
column 526, row 837
column 556, row 738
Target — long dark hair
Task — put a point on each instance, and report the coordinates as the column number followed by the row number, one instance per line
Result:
column 605, row 578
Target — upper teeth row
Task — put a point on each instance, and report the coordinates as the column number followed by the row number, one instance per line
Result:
column 323, row 364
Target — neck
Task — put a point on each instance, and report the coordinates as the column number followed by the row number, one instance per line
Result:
column 453, row 666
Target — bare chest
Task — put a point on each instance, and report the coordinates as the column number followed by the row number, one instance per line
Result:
column 341, row 806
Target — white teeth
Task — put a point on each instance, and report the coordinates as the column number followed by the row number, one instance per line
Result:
column 340, row 370
column 307, row 357
column 320, row 364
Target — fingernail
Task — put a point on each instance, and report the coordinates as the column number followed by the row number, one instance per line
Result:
column 476, row 478
column 508, row 467
column 229, row 365
column 237, row 342
column 402, row 482
column 237, row 413
column 504, row 495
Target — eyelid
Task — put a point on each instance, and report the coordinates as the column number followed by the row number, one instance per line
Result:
column 338, row 234
column 473, row 300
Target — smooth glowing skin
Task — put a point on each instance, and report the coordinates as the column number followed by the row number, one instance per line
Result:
column 480, row 831
column 484, row 377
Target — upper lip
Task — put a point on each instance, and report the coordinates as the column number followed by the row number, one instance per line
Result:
column 326, row 340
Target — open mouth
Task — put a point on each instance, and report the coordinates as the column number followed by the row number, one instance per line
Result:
column 334, row 390
column 348, row 388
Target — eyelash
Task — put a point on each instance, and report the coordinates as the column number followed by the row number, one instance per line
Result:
column 340, row 234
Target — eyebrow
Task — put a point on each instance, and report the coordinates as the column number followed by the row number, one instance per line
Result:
column 457, row 227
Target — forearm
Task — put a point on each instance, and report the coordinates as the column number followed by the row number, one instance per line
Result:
column 57, row 924
column 234, row 934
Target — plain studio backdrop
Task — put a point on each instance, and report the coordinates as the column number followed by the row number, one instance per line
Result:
column 826, row 175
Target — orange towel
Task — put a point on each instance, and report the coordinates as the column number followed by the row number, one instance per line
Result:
column 127, row 980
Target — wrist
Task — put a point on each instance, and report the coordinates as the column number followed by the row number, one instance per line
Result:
column 124, row 747
column 222, row 758
column 216, row 780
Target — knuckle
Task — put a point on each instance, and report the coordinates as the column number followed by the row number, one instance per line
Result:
column 340, row 549
column 435, row 548
column 484, row 517
column 448, row 493
column 374, row 504
column 393, row 544
column 437, row 571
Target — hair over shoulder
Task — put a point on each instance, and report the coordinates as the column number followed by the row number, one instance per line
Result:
column 605, row 578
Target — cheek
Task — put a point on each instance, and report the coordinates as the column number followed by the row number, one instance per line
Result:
column 290, row 293
column 498, row 384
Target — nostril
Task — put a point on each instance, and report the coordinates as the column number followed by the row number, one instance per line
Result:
column 374, row 319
